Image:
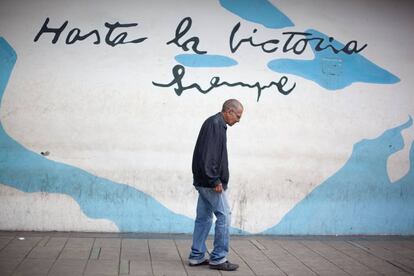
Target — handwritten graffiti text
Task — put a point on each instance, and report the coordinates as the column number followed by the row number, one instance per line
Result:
column 178, row 72
column 75, row 35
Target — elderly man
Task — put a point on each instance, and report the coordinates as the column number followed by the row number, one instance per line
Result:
column 211, row 176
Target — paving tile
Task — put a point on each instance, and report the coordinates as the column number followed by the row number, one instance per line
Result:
column 339, row 259
column 95, row 235
column 257, row 244
column 31, row 234
column 163, row 250
column 34, row 267
column 124, row 266
column 287, row 262
column 168, row 267
column 184, row 248
column 106, row 249
column 397, row 249
column 77, row 248
column 44, row 253
column 127, row 254
column 109, row 253
column 102, row 267
column 165, row 258
column 7, row 266
column 377, row 249
column 108, row 242
column 79, row 243
column 255, row 259
column 58, row 242
column 407, row 243
column 75, row 253
column 61, row 234
column 201, row 270
column 47, row 248
column 44, row 240
column 25, row 241
column 141, row 268
column 135, row 249
column 11, row 251
column 243, row 269
column 68, row 267
column 135, row 255
column 365, row 258
column 4, row 241
column 10, row 234
column 314, row 261
column 95, row 253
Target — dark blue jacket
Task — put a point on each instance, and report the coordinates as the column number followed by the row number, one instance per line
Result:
column 210, row 161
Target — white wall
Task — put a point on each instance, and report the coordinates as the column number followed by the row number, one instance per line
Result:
column 120, row 146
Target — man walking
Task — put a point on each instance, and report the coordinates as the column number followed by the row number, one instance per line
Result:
column 211, row 176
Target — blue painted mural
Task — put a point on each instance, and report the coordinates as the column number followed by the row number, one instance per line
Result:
column 193, row 60
column 258, row 11
column 99, row 198
column 335, row 65
column 332, row 70
column 359, row 198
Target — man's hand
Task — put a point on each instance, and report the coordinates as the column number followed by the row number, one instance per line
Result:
column 219, row 188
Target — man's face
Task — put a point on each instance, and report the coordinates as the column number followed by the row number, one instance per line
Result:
column 233, row 116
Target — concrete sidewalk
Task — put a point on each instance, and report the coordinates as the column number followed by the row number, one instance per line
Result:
column 60, row 253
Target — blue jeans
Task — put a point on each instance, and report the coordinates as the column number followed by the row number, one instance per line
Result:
column 210, row 202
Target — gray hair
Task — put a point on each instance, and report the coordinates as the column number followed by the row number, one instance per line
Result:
column 231, row 104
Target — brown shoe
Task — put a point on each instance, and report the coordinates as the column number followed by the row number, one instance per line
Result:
column 226, row 266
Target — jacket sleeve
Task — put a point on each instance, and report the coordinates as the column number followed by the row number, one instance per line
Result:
column 213, row 153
